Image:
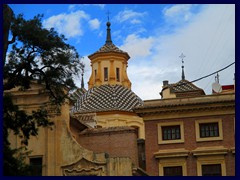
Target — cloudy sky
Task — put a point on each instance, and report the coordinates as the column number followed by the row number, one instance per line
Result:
column 154, row 36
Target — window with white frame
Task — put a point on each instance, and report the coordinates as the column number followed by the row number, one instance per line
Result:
column 208, row 130
column 211, row 165
column 170, row 132
column 172, row 171
column 211, row 170
column 172, row 166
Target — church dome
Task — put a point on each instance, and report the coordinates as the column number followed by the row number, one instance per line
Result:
column 107, row 98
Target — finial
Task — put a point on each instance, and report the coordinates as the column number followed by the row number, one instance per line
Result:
column 217, row 78
column 182, row 56
column 82, row 82
column 108, row 40
column 82, row 66
column 108, row 15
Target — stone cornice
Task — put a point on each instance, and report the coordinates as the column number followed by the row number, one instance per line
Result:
column 171, row 153
column 185, row 105
column 107, row 130
column 200, row 151
column 215, row 150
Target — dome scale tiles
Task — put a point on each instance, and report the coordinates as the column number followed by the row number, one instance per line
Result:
column 107, row 98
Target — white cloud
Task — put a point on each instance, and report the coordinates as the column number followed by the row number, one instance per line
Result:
column 129, row 15
column 71, row 7
column 87, row 73
column 137, row 46
column 175, row 10
column 135, row 21
column 94, row 24
column 100, row 34
column 100, row 5
column 178, row 13
column 67, row 24
column 208, row 43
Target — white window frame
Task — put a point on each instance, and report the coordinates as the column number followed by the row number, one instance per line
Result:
column 163, row 124
column 205, row 160
column 172, row 162
column 197, row 130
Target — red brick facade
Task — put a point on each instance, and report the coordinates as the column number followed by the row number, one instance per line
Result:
column 190, row 143
column 192, row 151
column 115, row 141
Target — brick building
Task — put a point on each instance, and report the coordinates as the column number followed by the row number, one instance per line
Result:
column 118, row 141
column 189, row 133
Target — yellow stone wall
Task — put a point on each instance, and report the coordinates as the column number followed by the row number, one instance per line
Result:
column 113, row 60
column 110, row 61
column 166, row 94
column 57, row 147
column 113, row 119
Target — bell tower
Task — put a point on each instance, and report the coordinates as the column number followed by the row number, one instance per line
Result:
column 109, row 65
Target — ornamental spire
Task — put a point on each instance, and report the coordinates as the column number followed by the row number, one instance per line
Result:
column 108, row 40
column 82, row 82
column 182, row 56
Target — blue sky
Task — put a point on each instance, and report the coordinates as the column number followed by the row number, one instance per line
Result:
column 154, row 35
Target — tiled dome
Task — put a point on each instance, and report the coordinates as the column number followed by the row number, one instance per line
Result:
column 107, row 98
column 109, row 47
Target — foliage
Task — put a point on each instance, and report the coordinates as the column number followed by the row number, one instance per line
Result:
column 14, row 162
column 21, row 123
column 24, row 126
column 7, row 18
column 41, row 55
column 37, row 54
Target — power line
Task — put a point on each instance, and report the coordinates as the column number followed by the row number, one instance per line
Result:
column 205, row 76
column 213, row 73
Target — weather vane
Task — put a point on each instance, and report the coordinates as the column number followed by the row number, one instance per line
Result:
column 182, row 56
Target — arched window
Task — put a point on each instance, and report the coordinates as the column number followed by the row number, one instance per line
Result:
column 105, row 74
column 117, row 74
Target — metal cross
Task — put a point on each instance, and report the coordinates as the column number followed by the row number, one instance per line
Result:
column 108, row 15
column 182, row 56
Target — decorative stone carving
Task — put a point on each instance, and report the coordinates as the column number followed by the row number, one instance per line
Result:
column 85, row 167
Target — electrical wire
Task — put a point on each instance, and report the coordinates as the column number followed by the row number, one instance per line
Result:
column 204, row 76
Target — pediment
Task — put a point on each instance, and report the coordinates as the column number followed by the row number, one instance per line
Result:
column 84, row 167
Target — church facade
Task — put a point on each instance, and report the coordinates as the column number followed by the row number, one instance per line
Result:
column 103, row 115
column 110, row 131
column 109, row 93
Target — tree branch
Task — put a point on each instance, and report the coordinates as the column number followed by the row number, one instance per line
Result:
column 13, row 40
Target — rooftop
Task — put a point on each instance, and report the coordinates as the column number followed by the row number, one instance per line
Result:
column 107, row 98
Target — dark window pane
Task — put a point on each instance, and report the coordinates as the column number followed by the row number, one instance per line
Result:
column 95, row 74
column 216, row 132
column 211, row 170
column 36, row 166
column 105, row 74
column 172, row 171
column 209, row 130
column 171, row 132
column 117, row 74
